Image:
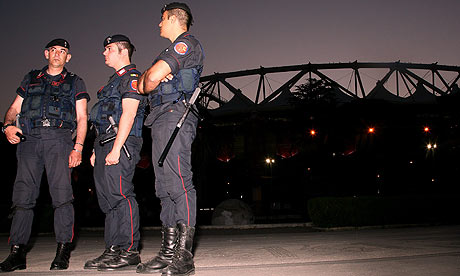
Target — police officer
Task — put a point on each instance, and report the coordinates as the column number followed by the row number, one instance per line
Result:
column 114, row 163
column 172, row 78
column 48, row 102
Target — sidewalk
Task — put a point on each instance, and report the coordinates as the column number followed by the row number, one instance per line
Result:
column 430, row 250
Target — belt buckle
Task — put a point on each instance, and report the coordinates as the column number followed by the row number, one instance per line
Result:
column 46, row 122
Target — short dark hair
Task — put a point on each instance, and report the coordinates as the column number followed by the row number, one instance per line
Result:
column 183, row 17
column 125, row 45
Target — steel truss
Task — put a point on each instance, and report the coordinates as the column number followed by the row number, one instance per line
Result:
column 405, row 75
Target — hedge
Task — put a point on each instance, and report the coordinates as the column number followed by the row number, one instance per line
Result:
column 373, row 210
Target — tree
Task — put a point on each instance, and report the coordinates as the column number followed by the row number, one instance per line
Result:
column 314, row 91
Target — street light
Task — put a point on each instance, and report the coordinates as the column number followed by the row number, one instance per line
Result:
column 431, row 146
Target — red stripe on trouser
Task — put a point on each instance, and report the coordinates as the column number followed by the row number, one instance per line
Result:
column 186, row 195
column 73, row 224
column 131, row 214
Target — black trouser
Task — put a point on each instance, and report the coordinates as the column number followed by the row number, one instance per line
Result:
column 173, row 181
column 46, row 148
column 115, row 194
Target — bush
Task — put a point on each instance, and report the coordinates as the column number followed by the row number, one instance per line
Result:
column 363, row 211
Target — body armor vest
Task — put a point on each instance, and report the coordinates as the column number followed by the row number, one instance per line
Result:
column 49, row 104
column 182, row 85
column 109, row 104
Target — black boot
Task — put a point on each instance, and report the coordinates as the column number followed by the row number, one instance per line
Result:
column 125, row 260
column 164, row 257
column 16, row 259
column 109, row 253
column 182, row 261
column 61, row 261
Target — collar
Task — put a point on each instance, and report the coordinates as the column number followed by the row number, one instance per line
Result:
column 60, row 76
column 182, row 35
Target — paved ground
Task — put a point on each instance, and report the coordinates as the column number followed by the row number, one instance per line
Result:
column 428, row 250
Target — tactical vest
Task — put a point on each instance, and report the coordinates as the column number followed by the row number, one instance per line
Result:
column 109, row 104
column 181, row 86
column 48, row 104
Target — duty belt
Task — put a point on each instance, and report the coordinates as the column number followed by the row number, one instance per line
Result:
column 46, row 122
column 174, row 98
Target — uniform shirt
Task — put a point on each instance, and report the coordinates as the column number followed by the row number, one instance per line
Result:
column 184, row 52
column 128, row 84
column 79, row 85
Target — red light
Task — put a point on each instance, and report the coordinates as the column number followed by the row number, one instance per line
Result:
column 371, row 130
column 312, row 132
column 426, row 129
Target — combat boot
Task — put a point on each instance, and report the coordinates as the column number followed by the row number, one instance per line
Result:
column 16, row 260
column 126, row 259
column 61, row 261
column 164, row 257
column 182, row 261
column 108, row 254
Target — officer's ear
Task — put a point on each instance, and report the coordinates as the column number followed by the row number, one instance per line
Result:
column 47, row 54
column 125, row 52
column 69, row 56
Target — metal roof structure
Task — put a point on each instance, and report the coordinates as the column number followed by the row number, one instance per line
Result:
column 397, row 82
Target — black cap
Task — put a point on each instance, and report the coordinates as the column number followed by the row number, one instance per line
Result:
column 117, row 38
column 177, row 5
column 58, row 42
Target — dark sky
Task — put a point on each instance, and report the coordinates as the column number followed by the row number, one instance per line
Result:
column 236, row 34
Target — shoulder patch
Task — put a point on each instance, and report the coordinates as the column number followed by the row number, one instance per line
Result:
column 133, row 85
column 181, row 48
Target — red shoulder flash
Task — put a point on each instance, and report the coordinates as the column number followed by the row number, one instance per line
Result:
column 181, row 48
column 134, row 85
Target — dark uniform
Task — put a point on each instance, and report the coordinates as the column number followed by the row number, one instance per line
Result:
column 114, row 187
column 173, row 181
column 47, row 119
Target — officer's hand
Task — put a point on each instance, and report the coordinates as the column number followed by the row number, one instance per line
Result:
column 167, row 78
column 10, row 133
column 92, row 159
column 74, row 159
column 112, row 158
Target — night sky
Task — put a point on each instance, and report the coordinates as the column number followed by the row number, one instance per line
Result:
column 236, row 35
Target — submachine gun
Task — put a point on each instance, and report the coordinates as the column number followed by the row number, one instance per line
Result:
column 188, row 108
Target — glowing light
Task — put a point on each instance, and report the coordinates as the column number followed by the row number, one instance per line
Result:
column 269, row 161
column 371, row 130
column 426, row 129
column 431, row 146
column 312, row 132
